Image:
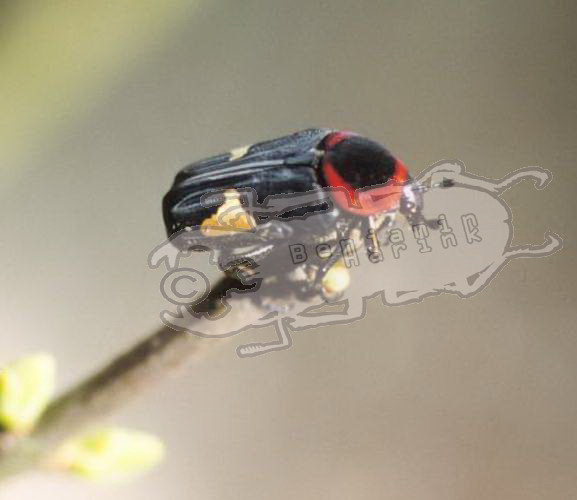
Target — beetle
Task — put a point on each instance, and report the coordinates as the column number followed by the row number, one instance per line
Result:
column 355, row 187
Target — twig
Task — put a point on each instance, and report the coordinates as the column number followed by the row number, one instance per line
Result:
column 130, row 374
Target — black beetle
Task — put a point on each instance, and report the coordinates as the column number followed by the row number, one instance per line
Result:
column 353, row 186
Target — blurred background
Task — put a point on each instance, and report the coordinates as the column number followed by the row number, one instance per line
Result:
column 102, row 102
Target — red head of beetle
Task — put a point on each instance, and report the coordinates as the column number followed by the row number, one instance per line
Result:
column 369, row 178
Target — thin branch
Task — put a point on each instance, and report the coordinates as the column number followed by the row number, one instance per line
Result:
column 129, row 375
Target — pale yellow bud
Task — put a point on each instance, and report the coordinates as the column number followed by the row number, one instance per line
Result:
column 109, row 454
column 26, row 387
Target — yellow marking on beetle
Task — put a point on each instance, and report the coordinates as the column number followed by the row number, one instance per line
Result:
column 230, row 218
column 337, row 279
column 238, row 153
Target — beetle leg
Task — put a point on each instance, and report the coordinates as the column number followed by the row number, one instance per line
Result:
column 275, row 230
column 412, row 210
column 330, row 262
column 232, row 259
column 412, row 204
column 270, row 231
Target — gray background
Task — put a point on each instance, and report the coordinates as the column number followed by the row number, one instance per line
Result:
column 448, row 399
